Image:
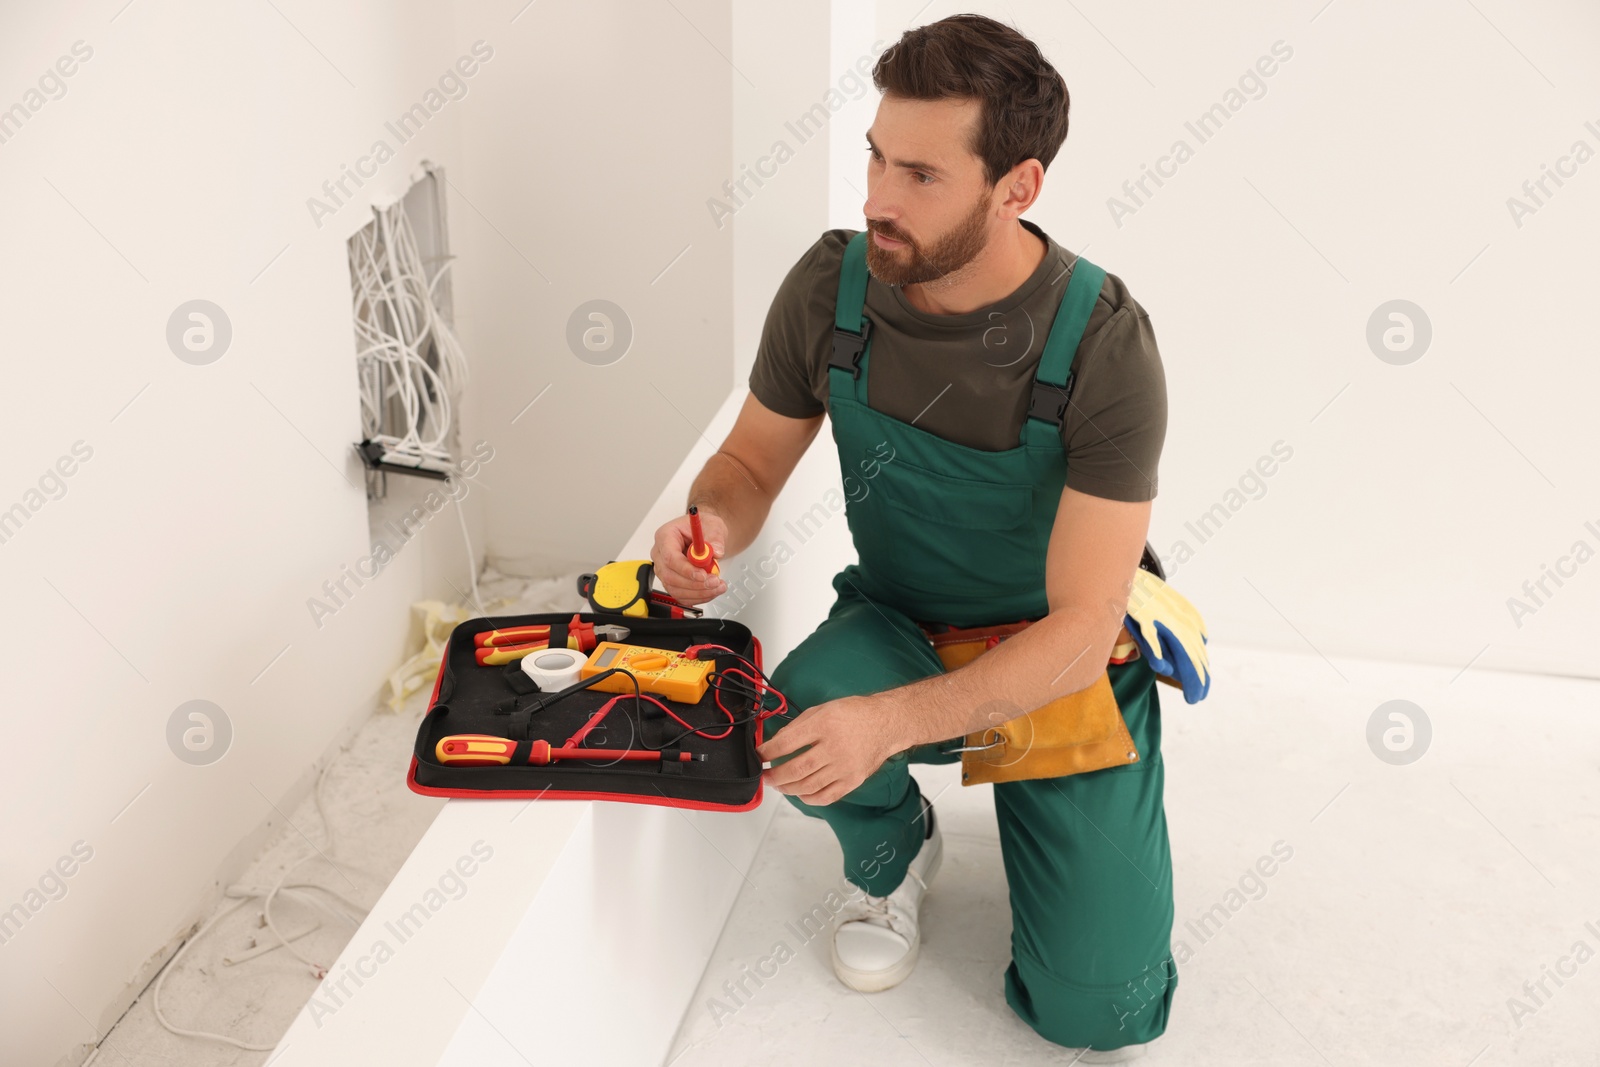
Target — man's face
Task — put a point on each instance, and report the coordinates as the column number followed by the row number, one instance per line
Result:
column 926, row 192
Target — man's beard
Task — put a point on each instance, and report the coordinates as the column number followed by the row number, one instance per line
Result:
column 911, row 265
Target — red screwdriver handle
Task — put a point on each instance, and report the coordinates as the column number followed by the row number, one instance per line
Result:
column 699, row 552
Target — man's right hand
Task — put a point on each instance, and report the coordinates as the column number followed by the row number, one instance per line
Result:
column 670, row 554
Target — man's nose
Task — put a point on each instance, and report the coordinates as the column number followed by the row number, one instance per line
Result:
column 875, row 211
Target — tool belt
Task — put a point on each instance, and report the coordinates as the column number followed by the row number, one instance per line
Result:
column 1082, row 731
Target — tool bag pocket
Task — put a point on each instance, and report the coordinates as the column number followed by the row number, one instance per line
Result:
column 503, row 702
column 1080, row 732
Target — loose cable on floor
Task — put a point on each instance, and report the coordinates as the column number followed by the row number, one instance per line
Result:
column 246, row 894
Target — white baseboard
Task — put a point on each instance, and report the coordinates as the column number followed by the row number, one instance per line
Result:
column 568, row 904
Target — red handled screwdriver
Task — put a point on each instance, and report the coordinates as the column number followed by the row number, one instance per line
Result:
column 700, row 552
column 485, row 750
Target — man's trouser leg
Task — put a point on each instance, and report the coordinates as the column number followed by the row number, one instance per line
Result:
column 1086, row 856
column 862, row 647
column 1090, row 874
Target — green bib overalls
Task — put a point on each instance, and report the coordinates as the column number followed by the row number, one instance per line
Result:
column 952, row 534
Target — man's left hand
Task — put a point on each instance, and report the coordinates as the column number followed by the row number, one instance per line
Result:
column 850, row 738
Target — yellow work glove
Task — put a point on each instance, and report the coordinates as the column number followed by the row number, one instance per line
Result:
column 1170, row 634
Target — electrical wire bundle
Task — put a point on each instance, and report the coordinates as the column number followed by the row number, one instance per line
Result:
column 398, row 325
column 351, row 912
column 753, row 688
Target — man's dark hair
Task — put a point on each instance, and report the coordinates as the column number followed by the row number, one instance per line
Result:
column 1023, row 99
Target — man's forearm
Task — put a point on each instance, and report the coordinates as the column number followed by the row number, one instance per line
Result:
column 726, row 488
column 1062, row 653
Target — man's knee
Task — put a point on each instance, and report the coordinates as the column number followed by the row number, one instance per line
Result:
column 1102, row 1015
column 853, row 651
column 803, row 683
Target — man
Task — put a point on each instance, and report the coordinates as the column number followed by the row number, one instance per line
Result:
column 985, row 487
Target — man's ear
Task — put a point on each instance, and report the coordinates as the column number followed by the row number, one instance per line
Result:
column 1022, row 186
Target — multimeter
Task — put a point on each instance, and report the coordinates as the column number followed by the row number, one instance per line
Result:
column 661, row 671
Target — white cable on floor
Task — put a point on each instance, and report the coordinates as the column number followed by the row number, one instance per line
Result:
column 247, row 894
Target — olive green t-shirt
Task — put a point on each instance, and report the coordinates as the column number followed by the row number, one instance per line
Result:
column 967, row 378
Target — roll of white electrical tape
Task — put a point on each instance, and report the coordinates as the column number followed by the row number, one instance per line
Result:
column 554, row 668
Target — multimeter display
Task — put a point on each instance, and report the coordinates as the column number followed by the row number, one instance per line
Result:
column 659, row 671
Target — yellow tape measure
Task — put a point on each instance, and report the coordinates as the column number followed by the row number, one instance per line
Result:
column 660, row 671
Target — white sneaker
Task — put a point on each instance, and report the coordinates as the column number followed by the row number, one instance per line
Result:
column 875, row 939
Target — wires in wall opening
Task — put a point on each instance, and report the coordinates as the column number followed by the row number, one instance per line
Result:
column 411, row 369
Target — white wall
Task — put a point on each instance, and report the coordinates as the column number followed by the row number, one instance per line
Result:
column 588, row 164
column 665, row 194
column 215, row 499
column 1376, row 166
column 795, row 49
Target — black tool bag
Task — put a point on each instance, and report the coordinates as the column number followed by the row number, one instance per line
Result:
column 502, row 701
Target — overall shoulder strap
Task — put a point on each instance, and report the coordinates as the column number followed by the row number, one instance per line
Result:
column 852, row 330
column 1052, row 382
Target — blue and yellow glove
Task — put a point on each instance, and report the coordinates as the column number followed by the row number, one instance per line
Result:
column 1170, row 634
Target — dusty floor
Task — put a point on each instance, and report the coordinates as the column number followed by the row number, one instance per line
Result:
column 376, row 821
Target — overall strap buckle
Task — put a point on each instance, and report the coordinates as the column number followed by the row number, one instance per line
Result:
column 848, row 346
column 1048, row 401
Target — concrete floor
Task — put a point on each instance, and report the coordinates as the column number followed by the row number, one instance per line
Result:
column 377, row 821
column 1418, row 898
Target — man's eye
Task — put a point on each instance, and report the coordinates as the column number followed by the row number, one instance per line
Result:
column 919, row 175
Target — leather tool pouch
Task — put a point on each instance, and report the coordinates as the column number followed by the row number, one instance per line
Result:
column 1082, row 731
